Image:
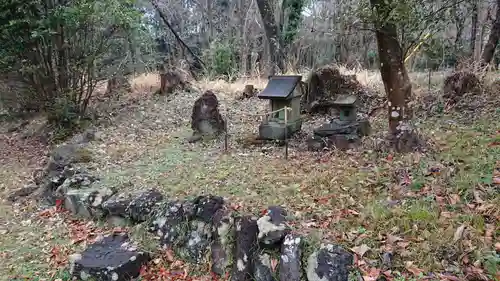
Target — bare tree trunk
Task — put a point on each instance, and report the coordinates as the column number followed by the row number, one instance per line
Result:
column 271, row 29
column 459, row 25
column 365, row 43
column 489, row 48
column 210, row 24
column 473, row 31
column 483, row 28
column 394, row 75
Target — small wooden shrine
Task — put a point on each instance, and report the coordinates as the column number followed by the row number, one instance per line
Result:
column 283, row 91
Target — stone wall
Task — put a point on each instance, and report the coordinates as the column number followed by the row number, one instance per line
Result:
column 199, row 230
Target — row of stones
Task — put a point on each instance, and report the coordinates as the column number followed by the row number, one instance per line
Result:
column 196, row 229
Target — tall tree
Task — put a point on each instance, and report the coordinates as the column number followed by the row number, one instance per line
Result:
column 489, row 48
column 473, row 30
column 392, row 69
column 272, row 34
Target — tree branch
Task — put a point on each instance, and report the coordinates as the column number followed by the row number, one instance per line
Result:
column 167, row 23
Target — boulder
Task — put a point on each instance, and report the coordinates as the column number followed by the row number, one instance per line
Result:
column 80, row 180
column 221, row 247
column 141, row 207
column 290, row 268
column 53, row 178
column 170, row 221
column 112, row 258
column 245, row 245
column 205, row 118
column 59, row 168
column 200, row 233
column 329, row 263
column 87, row 202
column 136, row 206
column 272, row 226
column 117, row 204
column 262, row 270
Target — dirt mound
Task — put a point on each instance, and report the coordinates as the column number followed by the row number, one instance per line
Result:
column 483, row 100
column 326, row 83
column 469, row 98
column 461, row 83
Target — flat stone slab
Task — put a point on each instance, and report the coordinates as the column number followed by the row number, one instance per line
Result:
column 142, row 205
column 329, row 263
column 112, row 258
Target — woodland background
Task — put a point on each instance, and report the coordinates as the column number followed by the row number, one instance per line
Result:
column 54, row 51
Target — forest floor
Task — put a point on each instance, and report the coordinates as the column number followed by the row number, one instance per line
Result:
column 437, row 212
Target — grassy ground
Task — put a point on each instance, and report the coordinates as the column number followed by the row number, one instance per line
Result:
column 435, row 211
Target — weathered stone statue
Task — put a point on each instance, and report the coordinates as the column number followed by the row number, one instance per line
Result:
column 206, row 119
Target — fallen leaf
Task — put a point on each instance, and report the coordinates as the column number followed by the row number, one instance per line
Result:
column 448, row 277
column 361, row 250
column 371, row 275
column 402, row 244
column 391, row 239
column 446, row 214
column 413, row 269
column 274, row 263
column 454, row 199
column 459, row 233
column 169, row 255
column 440, row 200
column 325, row 199
column 496, row 180
column 59, row 205
column 477, row 197
column 465, row 259
column 352, row 212
column 387, row 273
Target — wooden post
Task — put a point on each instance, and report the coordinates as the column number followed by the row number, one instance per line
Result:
column 286, row 132
column 430, row 71
column 225, row 135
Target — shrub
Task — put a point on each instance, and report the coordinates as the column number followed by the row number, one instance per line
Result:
column 221, row 58
column 60, row 50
